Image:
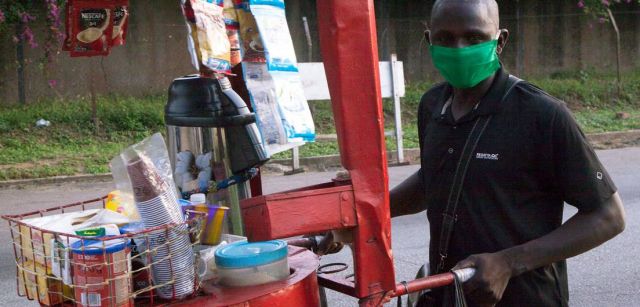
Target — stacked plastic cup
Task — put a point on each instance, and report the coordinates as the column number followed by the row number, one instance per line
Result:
column 173, row 260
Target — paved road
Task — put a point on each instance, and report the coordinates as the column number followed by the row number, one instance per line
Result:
column 606, row 276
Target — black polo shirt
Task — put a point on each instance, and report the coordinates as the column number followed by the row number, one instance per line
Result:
column 531, row 159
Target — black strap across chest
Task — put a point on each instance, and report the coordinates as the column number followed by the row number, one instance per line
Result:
column 449, row 216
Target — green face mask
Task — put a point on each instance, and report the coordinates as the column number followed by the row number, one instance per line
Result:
column 468, row 66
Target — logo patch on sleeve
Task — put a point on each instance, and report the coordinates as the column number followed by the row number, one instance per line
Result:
column 487, row 156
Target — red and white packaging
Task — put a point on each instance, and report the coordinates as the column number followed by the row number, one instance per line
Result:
column 120, row 22
column 101, row 276
column 91, row 28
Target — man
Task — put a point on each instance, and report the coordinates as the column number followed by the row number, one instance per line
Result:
column 530, row 159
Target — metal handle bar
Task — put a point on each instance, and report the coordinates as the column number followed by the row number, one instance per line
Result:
column 431, row 282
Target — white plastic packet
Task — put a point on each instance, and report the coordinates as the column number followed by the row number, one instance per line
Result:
column 276, row 91
column 274, row 31
column 265, row 103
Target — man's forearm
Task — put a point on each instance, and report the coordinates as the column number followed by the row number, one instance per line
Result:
column 582, row 232
column 407, row 197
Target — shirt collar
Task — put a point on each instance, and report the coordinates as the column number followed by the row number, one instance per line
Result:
column 491, row 103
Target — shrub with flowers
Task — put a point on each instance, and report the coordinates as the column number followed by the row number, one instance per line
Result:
column 599, row 8
column 18, row 17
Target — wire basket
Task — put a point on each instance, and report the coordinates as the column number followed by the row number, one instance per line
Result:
column 144, row 267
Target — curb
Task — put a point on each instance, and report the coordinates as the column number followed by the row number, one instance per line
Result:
column 55, row 180
column 330, row 162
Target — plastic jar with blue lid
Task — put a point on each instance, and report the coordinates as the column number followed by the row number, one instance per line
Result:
column 242, row 264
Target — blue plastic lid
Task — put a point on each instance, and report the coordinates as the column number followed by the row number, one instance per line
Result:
column 97, row 247
column 244, row 254
column 132, row 227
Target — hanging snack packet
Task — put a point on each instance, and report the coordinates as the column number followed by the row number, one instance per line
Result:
column 211, row 34
column 192, row 39
column 91, row 28
column 251, row 43
column 274, row 31
column 233, row 31
column 120, row 22
column 264, row 102
column 294, row 109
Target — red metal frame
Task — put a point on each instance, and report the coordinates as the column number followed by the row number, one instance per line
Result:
column 361, row 205
column 350, row 53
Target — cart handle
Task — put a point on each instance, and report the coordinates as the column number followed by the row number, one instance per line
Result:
column 431, row 282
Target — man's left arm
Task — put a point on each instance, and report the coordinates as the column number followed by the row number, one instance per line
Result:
column 582, row 232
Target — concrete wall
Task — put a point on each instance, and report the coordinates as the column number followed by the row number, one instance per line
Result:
column 549, row 36
column 154, row 54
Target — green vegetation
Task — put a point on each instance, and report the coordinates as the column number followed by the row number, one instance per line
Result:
column 71, row 145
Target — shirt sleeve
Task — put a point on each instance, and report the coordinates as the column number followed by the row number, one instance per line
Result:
column 582, row 180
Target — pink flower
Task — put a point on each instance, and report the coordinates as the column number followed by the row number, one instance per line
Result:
column 602, row 20
column 1, row 16
column 581, row 4
column 606, row 2
column 28, row 36
column 53, row 83
column 26, row 18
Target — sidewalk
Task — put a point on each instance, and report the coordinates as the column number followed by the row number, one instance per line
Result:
column 606, row 140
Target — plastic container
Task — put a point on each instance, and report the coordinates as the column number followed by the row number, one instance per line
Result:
column 212, row 230
column 101, row 272
column 242, row 264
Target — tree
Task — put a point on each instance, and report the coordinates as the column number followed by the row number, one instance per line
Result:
column 601, row 10
column 18, row 16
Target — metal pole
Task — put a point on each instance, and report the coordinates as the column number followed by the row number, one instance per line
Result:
column 397, row 108
column 295, row 152
column 307, row 33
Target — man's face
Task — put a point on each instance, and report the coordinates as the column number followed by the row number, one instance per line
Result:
column 458, row 24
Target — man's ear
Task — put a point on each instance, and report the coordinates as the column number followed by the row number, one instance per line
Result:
column 427, row 36
column 502, row 40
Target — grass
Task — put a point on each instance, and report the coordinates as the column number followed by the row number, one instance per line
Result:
column 71, row 145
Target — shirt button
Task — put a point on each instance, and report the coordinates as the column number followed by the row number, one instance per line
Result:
column 450, row 150
column 455, row 127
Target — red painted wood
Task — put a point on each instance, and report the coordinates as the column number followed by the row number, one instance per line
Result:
column 300, row 289
column 300, row 212
column 350, row 55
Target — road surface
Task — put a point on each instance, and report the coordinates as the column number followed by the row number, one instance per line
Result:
column 606, row 276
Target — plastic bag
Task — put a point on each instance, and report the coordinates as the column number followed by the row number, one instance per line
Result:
column 155, row 150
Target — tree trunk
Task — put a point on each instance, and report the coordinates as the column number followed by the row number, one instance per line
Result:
column 618, row 47
column 22, row 99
